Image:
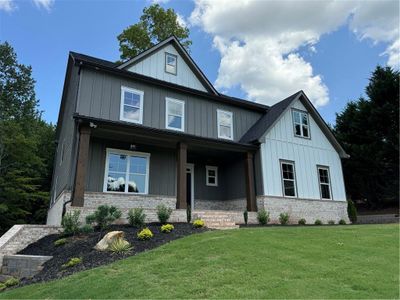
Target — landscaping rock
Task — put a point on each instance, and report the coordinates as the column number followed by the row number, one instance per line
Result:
column 108, row 239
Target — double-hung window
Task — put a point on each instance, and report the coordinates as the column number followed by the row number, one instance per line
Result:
column 288, row 179
column 225, row 124
column 301, row 124
column 131, row 105
column 175, row 114
column 126, row 172
column 170, row 63
column 211, row 176
column 324, row 182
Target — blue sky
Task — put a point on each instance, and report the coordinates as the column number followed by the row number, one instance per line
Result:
column 42, row 36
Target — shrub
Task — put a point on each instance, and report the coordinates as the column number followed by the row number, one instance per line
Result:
column 245, row 216
column 352, row 211
column 302, row 221
column 318, row 222
column 331, row 222
column 284, row 218
column 188, row 214
column 263, row 216
column 198, row 223
column 86, row 229
column 167, row 228
column 136, row 217
column 120, row 246
column 70, row 222
column 11, row 282
column 72, row 262
column 2, row 286
column 60, row 242
column 163, row 213
column 145, row 234
column 342, row 222
column 104, row 216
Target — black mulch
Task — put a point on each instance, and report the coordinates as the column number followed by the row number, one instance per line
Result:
column 82, row 246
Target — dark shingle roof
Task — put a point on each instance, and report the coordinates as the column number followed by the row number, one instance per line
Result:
column 95, row 60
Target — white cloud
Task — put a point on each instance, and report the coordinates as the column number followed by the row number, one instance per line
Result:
column 10, row 5
column 259, row 41
column 46, row 4
column 159, row 1
column 181, row 20
column 7, row 5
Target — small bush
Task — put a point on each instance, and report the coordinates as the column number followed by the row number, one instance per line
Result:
column 342, row 222
column 352, row 211
column 284, row 218
column 145, row 234
column 60, row 242
column 302, row 222
column 167, row 228
column 11, row 282
column 318, row 222
column 2, row 286
column 120, row 246
column 85, row 229
column 263, row 216
column 245, row 216
column 188, row 214
column 136, row 217
column 104, row 216
column 70, row 222
column 331, row 222
column 163, row 213
column 198, row 223
column 72, row 262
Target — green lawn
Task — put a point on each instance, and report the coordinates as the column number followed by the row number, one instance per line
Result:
column 360, row 261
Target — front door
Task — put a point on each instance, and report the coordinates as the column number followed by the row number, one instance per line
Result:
column 190, row 185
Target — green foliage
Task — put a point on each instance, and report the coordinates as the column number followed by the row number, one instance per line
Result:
column 368, row 129
column 155, row 25
column 163, row 213
column 2, row 286
column 72, row 262
column 104, row 216
column 331, row 222
column 318, row 222
column 136, row 217
column 198, row 223
column 302, row 222
column 342, row 222
column 70, row 222
column 245, row 216
column 263, row 216
column 120, row 246
column 86, row 229
column 145, row 234
column 167, row 228
column 351, row 211
column 60, row 242
column 284, row 218
column 188, row 213
column 11, row 282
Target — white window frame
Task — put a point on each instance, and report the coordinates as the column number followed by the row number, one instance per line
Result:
column 121, row 112
column 288, row 162
column 181, row 102
column 166, row 63
column 301, row 135
column 215, row 169
column 219, row 111
column 319, row 167
column 128, row 153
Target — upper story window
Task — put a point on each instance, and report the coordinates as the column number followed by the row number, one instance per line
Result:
column 131, row 105
column 211, row 176
column 171, row 62
column 324, row 182
column 301, row 124
column 175, row 114
column 225, row 124
column 288, row 179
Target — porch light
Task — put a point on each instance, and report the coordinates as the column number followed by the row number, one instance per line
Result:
column 132, row 147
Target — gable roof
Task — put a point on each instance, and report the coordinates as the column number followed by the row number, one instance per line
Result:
column 183, row 53
column 266, row 122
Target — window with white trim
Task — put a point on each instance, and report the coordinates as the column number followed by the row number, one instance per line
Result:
column 126, row 172
column 225, row 124
column 131, row 109
column 324, row 182
column 175, row 114
column 171, row 61
column 288, row 179
column 301, row 124
column 211, row 176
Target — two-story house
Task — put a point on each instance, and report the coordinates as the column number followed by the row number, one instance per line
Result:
column 154, row 130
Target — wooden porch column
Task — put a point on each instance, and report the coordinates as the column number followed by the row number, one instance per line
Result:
column 81, row 166
column 181, row 177
column 250, row 185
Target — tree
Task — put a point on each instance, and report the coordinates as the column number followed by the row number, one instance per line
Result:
column 156, row 24
column 368, row 129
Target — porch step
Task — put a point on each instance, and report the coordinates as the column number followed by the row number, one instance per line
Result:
column 216, row 219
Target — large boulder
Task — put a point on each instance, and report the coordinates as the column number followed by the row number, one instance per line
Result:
column 108, row 239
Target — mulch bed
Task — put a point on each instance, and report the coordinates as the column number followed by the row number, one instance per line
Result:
column 82, row 246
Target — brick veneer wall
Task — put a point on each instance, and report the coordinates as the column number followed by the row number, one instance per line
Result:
column 235, row 204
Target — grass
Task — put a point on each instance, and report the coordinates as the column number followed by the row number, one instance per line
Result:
column 360, row 261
